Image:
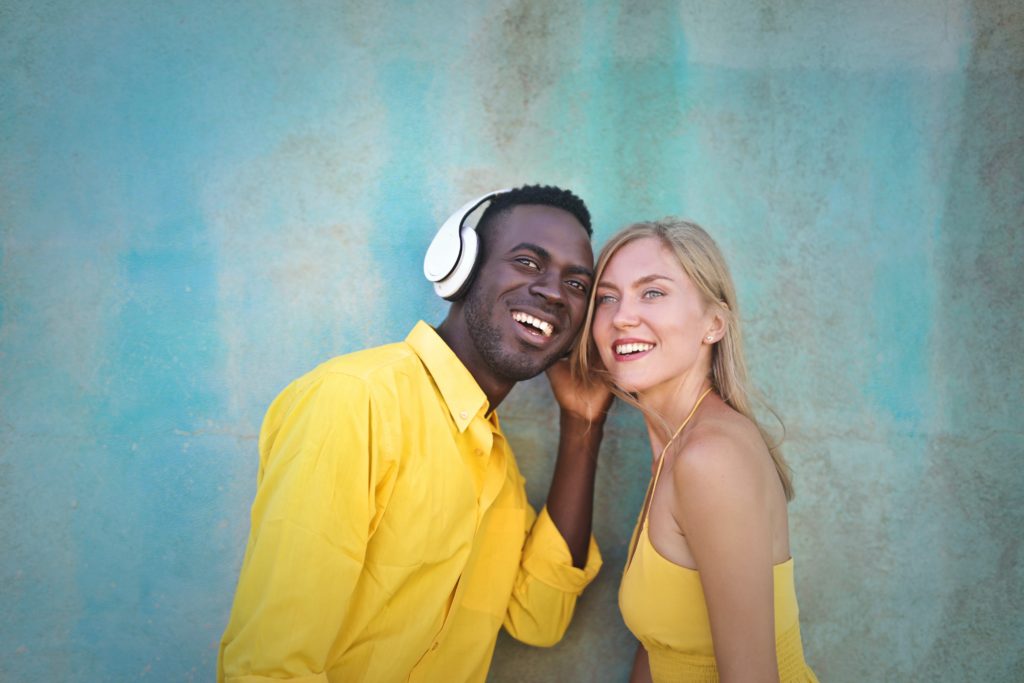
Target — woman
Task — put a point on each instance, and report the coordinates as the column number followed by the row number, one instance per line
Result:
column 708, row 585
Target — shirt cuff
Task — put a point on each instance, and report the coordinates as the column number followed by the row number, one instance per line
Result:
column 546, row 557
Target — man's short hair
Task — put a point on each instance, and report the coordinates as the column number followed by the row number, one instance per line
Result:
column 546, row 195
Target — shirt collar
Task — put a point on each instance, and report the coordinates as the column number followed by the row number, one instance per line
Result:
column 461, row 393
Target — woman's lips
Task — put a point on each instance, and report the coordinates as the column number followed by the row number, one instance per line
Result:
column 625, row 350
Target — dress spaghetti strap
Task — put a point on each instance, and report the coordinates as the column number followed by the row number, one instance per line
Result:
column 654, row 480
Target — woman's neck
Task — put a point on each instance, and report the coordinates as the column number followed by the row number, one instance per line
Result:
column 666, row 408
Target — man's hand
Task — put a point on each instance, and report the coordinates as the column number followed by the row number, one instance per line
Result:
column 581, row 427
column 588, row 401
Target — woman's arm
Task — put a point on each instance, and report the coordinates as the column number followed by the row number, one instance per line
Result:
column 721, row 505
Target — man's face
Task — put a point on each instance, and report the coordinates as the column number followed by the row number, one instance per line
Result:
column 529, row 298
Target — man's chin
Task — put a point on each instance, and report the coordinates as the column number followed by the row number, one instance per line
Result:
column 522, row 368
column 520, row 373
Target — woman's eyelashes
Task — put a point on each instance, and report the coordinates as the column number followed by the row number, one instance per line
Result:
column 606, row 298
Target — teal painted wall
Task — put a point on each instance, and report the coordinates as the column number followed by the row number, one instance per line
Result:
column 201, row 200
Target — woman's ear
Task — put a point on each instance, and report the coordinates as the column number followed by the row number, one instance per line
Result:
column 716, row 329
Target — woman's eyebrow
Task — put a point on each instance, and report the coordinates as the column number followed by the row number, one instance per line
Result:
column 639, row 281
column 651, row 278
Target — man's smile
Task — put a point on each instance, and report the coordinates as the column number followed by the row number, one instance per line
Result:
column 533, row 324
column 535, row 327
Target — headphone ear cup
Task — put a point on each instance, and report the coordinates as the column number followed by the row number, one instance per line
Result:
column 450, row 261
column 455, row 285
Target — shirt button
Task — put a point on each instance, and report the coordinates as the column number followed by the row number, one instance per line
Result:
column 464, row 415
column 478, row 452
column 434, row 646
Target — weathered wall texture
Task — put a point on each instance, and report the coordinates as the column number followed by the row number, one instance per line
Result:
column 201, row 200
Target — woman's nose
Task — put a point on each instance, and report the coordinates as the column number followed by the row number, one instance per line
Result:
column 624, row 316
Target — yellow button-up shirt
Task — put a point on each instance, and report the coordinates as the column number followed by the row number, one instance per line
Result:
column 391, row 536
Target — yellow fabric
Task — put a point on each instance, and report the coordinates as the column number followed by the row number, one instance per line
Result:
column 391, row 536
column 662, row 603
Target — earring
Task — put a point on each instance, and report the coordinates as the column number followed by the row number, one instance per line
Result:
column 709, row 337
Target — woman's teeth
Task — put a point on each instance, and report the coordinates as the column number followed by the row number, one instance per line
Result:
column 635, row 347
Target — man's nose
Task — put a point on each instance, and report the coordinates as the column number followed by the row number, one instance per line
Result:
column 549, row 286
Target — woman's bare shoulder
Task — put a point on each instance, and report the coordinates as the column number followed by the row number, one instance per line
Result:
column 722, row 445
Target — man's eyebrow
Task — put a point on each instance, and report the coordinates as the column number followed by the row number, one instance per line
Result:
column 546, row 255
column 535, row 248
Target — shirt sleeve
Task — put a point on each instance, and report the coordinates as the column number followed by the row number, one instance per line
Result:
column 547, row 586
column 316, row 498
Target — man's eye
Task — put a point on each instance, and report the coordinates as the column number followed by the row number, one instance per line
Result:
column 576, row 284
column 528, row 262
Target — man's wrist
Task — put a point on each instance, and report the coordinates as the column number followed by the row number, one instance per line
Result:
column 577, row 424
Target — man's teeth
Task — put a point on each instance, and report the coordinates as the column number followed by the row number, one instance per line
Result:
column 545, row 327
column 635, row 347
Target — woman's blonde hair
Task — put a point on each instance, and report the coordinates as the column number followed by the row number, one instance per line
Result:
column 702, row 261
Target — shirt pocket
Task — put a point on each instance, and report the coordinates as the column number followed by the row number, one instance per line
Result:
column 495, row 563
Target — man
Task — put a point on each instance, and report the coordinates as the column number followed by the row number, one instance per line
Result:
column 391, row 536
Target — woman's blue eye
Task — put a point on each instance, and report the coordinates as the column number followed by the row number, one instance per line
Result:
column 653, row 294
column 605, row 299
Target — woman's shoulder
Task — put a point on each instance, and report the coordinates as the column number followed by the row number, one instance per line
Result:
column 722, row 444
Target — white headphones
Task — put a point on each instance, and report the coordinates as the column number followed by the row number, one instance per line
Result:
column 452, row 255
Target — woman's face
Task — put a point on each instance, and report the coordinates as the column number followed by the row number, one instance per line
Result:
column 650, row 322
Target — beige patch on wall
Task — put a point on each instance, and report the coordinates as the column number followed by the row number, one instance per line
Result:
column 296, row 276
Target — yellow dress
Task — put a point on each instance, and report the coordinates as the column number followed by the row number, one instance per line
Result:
column 663, row 605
